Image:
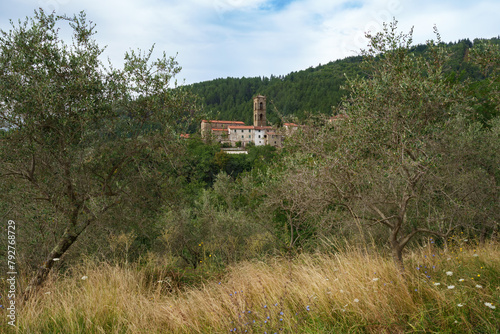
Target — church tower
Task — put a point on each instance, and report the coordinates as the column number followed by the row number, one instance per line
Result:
column 259, row 111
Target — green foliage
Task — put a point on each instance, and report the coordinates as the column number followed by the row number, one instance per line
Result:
column 199, row 167
column 485, row 55
column 402, row 121
column 210, row 224
column 86, row 145
column 407, row 159
column 215, row 229
column 202, row 162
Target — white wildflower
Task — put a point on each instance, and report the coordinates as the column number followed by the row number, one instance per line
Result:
column 490, row 305
column 449, row 273
column 356, row 300
column 436, row 284
column 461, row 280
column 47, row 293
column 451, row 287
column 56, row 259
column 84, row 277
column 375, row 279
column 479, row 286
column 475, row 255
column 460, row 305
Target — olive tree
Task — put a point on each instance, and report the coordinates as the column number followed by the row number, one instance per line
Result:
column 85, row 141
column 405, row 155
column 393, row 166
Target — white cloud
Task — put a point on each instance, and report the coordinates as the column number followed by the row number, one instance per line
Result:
column 231, row 5
column 219, row 38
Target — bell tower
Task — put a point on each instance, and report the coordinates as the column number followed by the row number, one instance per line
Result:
column 259, row 111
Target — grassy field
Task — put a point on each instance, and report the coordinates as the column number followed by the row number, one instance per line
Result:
column 353, row 291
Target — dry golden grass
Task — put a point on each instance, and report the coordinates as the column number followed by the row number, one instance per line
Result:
column 351, row 291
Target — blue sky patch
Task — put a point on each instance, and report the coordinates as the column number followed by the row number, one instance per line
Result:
column 277, row 5
column 352, row 5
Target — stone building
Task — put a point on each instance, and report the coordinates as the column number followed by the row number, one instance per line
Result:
column 237, row 133
column 218, row 130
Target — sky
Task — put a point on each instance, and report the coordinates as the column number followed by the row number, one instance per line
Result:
column 250, row 38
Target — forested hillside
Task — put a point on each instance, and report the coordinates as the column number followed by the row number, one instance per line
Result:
column 314, row 90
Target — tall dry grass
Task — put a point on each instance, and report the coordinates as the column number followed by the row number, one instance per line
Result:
column 351, row 291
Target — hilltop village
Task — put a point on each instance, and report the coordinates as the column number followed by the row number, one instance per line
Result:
column 237, row 134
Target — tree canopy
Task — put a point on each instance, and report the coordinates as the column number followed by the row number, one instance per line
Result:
column 85, row 142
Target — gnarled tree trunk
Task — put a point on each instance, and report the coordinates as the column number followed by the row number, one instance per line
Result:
column 69, row 237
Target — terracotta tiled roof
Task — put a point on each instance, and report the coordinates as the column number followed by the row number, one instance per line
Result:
column 249, row 127
column 225, row 130
column 290, row 124
column 244, row 127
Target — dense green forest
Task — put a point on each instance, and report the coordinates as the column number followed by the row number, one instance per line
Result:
column 311, row 91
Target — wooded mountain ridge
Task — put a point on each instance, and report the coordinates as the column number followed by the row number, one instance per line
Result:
column 311, row 91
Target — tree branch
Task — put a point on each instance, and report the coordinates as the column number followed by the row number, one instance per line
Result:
column 404, row 241
column 381, row 214
column 383, row 221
